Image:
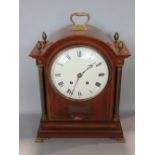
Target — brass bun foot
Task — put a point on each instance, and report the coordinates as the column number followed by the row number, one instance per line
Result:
column 39, row 140
column 121, row 140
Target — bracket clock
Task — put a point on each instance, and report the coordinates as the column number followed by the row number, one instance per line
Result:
column 80, row 80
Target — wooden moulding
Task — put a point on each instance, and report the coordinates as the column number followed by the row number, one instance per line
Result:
column 89, row 130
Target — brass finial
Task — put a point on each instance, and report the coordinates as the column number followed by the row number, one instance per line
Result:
column 120, row 45
column 116, row 37
column 39, row 45
column 44, row 36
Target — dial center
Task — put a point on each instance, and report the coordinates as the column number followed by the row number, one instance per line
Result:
column 79, row 75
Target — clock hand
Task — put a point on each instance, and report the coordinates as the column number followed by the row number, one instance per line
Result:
column 89, row 66
column 79, row 75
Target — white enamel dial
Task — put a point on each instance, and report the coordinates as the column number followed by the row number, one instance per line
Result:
column 79, row 72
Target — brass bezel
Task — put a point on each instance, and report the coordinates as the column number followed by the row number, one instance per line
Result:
column 52, row 82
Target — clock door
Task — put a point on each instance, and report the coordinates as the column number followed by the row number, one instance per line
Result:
column 79, row 84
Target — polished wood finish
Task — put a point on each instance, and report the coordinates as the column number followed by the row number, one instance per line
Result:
column 72, row 129
column 98, row 117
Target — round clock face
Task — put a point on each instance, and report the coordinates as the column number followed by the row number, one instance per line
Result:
column 79, row 73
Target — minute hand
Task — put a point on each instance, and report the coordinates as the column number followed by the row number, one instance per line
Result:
column 90, row 66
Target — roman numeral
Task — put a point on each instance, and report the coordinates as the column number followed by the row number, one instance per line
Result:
column 58, row 74
column 61, row 84
column 97, row 84
column 69, row 92
column 79, row 93
column 98, row 64
column 79, row 54
column 68, row 57
column 101, row 74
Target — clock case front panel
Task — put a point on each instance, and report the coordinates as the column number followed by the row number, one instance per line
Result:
column 95, row 109
column 97, row 117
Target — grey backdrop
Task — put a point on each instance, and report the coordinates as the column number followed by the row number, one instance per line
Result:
column 37, row 16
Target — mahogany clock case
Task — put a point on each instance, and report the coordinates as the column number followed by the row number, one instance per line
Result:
column 97, row 117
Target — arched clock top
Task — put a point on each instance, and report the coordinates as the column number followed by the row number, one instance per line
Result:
column 92, row 37
column 80, row 33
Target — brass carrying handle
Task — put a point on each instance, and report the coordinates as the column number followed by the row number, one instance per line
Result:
column 79, row 26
